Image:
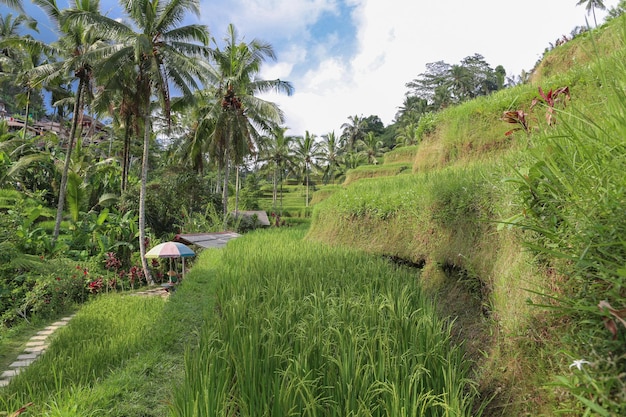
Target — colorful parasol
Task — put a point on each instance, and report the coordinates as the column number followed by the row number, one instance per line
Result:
column 170, row 250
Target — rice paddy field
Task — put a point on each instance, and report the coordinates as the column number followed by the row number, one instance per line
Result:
column 272, row 325
column 306, row 329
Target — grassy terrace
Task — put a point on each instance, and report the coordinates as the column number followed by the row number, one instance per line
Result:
column 517, row 234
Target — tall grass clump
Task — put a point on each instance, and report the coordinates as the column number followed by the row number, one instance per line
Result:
column 572, row 198
column 374, row 171
column 306, row 329
column 400, row 154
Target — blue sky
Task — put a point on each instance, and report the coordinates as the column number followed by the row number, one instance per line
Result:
column 354, row 57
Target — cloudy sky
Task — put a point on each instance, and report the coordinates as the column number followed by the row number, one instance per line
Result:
column 354, row 57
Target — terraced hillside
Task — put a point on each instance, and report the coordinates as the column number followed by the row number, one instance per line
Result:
column 517, row 234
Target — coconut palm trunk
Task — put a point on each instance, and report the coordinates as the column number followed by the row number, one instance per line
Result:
column 126, row 154
column 237, row 185
column 68, row 158
column 27, row 110
column 142, row 194
column 225, row 189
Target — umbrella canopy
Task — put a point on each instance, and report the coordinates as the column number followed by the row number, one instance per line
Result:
column 170, row 250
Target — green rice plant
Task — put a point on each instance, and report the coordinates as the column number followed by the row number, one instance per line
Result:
column 375, row 171
column 301, row 328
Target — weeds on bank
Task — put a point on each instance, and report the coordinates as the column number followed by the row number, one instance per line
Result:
column 572, row 199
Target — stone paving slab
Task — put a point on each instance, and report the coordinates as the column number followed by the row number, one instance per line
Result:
column 34, row 349
column 10, row 373
column 21, row 364
column 28, row 356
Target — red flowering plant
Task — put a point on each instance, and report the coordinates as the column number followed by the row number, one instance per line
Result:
column 135, row 275
column 276, row 220
column 56, row 289
column 551, row 99
column 156, row 267
column 95, row 286
column 112, row 264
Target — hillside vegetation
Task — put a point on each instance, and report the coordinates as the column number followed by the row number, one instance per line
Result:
column 520, row 235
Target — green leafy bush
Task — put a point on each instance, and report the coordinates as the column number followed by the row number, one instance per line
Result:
column 56, row 294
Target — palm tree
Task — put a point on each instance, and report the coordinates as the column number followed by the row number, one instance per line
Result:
column 306, row 154
column 15, row 59
column 18, row 55
column 11, row 27
column 164, row 55
column 460, row 83
column 194, row 149
column 408, row 135
column 79, row 49
column 352, row 160
column 371, row 148
column 14, row 4
column 118, row 97
column 591, row 6
column 353, row 131
column 239, row 118
column 277, row 151
column 412, row 109
column 330, row 154
column 32, row 58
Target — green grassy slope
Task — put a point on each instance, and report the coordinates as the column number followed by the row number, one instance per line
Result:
column 448, row 216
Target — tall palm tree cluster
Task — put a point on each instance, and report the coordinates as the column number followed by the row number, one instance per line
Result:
column 127, row 70
column 326, row 159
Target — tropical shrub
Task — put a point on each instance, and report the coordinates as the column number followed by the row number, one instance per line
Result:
column 168, row 199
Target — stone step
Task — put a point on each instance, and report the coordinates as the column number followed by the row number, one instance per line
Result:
column 28, row 356
column 10, row 373
column 21, row 364
column 34, row 348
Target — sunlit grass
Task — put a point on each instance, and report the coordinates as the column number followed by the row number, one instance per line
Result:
column 305, row 329
column 121, row 355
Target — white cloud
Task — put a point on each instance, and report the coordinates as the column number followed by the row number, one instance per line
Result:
column 394, row 41
column 267, row 18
